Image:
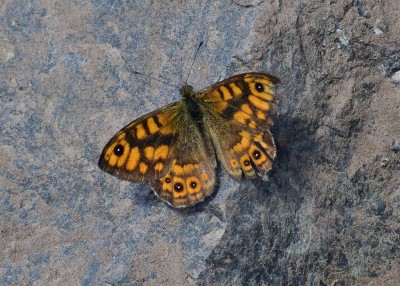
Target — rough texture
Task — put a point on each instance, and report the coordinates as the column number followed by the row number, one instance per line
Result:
column 329, row 215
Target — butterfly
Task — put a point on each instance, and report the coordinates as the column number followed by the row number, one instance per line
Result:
column 176, row 148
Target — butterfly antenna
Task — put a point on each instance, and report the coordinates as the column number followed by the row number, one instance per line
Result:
column 156, row 79
column 194, row 58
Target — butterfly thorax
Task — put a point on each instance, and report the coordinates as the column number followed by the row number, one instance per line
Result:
column 189, row 102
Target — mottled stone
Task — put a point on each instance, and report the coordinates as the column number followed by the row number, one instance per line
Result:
column 329, row 214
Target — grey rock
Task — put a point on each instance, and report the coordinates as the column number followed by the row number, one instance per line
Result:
column 395, row 146
column 329, row 213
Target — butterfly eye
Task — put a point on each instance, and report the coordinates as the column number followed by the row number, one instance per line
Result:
column 178, row 187
column 119, row 150
column 259, row 87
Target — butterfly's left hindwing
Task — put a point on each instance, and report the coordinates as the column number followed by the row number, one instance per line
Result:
column 166, row 149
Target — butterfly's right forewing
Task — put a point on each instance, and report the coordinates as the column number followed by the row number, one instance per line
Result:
column 134, row 153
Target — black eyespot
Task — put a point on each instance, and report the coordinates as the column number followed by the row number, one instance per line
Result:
column 168, row 180
column 256, row 154
column 193, row 185
column 119, row 150
column 178, row 187
column 246, row 162
column 259, row 87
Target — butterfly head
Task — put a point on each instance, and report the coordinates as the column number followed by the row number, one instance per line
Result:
column 187, row 91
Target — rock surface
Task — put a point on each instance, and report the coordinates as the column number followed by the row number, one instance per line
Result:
column 330, row 212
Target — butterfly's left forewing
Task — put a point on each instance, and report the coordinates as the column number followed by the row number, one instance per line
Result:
column 236, row 117
column 165, row 149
